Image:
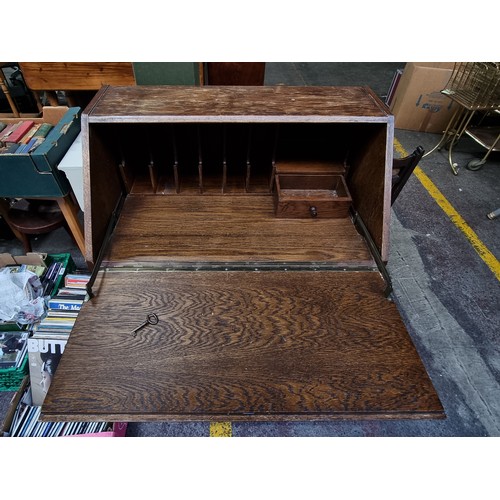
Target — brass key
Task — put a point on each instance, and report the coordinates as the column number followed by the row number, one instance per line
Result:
column 151, row 319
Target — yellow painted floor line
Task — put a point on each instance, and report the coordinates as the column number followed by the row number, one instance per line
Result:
column 221, row 429
column 482, row 250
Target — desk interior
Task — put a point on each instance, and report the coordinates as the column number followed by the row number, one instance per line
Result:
column 229, row 229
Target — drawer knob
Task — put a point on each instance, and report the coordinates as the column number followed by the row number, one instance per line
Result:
column 313, row 211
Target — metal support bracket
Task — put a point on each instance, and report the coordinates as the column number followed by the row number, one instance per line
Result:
column 104, row 247
column 358, row 222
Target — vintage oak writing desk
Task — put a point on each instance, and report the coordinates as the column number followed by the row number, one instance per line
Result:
column 270, row 301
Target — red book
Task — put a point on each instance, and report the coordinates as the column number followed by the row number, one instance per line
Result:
column 8, row 130
column 20, row 131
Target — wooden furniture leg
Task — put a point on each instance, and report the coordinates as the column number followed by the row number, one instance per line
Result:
column 4, row 210
column 70, row 208
column 52, row 97
column 35, row 217
column 5, row 89
column 38, row 100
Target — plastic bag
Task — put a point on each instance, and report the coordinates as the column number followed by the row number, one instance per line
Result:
column 21, row 299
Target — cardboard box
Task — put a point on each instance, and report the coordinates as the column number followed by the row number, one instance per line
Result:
column 35, row 175
column 30, row 259
column 42, row 260
column 12, row 407
column 418, row 103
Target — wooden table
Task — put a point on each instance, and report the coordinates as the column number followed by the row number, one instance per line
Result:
column 69, row 207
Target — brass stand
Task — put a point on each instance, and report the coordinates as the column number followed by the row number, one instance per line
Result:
column 473, row 87
column 454, row 131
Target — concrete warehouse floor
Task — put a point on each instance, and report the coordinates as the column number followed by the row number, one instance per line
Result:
column 445, row 272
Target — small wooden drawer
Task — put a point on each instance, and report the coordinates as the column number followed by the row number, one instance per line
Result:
column 311, row 196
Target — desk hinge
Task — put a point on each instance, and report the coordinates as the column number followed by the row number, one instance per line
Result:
column 237, row 266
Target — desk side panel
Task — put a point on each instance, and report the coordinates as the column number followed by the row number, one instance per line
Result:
column 102, row 187
column 369, row 180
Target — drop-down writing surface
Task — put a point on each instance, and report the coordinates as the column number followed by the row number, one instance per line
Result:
column 271, row 345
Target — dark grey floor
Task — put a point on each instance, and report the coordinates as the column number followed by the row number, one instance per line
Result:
column 448, row 297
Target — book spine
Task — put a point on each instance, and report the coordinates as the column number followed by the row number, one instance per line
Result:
column 27, row 137
column 19, row 423
column 43, row 130
column 33, row 144
column 24, row 148
column 30, row 145
column 9, row 131
column 20, row 131
column 68, row 306
column 10, row 148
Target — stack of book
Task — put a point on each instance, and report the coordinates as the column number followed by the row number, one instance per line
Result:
column 78, row 281
column 48, row 341
column 63, row 308
column 25, row 422
column 23, row 137
column 45, row 347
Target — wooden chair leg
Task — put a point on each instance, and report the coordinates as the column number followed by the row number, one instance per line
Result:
column 38, row 100
column 26, row 242
column 52, row 97
column 4, row 212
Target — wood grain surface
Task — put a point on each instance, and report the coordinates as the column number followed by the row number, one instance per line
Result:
column 210, row 128
column 240, row 345
column 239, row 103
column 306, row 196
column 236, row 344
column 76, row 75
column 369, row 182
column 228, row 229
